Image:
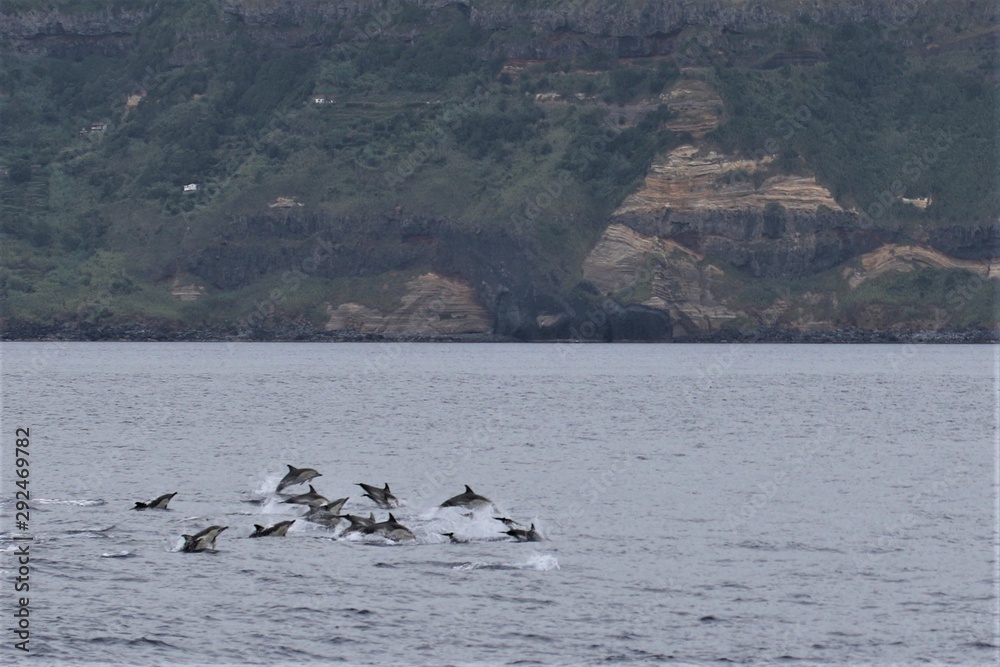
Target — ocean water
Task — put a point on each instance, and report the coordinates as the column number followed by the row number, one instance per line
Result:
column 701, row 504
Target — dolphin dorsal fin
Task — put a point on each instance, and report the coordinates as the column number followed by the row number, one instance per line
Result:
column 311, row 489
column 392, row 518
column 292, row 468
column 371, row 516
column 258, row 527
column 386, row 489
column 468, row 489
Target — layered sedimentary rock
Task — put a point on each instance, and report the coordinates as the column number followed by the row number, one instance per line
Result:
column 744, row 212
column 673, row 278
column 186, row 288
column 432, row 305
column 694, row 106
column 691, row 178
column 906, row 258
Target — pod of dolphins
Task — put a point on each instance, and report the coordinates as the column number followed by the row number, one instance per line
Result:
column 326, row 513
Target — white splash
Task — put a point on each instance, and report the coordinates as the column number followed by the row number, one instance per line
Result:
column 80, row 503
column 542, row 562
column 539, row 562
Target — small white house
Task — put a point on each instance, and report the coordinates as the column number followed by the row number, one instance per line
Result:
column 191, row 187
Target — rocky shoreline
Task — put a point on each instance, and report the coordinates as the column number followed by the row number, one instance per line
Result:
column 301, row 333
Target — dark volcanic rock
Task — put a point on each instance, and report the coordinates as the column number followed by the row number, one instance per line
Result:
column 50, row 31
column 967, row 241
column 639, row 323
column 774, row 242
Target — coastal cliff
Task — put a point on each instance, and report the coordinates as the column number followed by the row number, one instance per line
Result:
column 629, row 170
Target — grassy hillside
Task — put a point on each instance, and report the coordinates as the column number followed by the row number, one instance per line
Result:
column 422, row 120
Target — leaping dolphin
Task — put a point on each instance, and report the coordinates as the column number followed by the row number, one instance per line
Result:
column 157, row 503
column 334, row 506
column 469, row 499
column 391, row 529
column 296, row 476
column 277, row 530
column 529, row 535
column 312, row 499
column 327, row 515
column 381, row 497
column 358, row 523
column 202, row 541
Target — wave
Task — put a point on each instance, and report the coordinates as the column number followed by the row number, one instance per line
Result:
column 266, row 486
column 539, row 562
column 120, row 554
column 83, row 502
column 89, row 531
column 137, row 641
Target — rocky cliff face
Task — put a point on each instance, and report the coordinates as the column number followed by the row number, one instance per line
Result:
column 327, row 246
column 689, row 178
column 651, row 17
column 432, row 306
column 698, row 293
column 675, row 253
column 62, row 32
column 630, row 28
column 893, row 257
column 652, row 27
column 672, row 278
column 967, row 241
column 694, row 107
column 700, row 219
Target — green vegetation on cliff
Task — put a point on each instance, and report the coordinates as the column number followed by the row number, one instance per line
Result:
column 391, row 117
column 874, row 125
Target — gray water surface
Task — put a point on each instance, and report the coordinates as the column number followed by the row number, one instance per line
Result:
column 749, row 504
